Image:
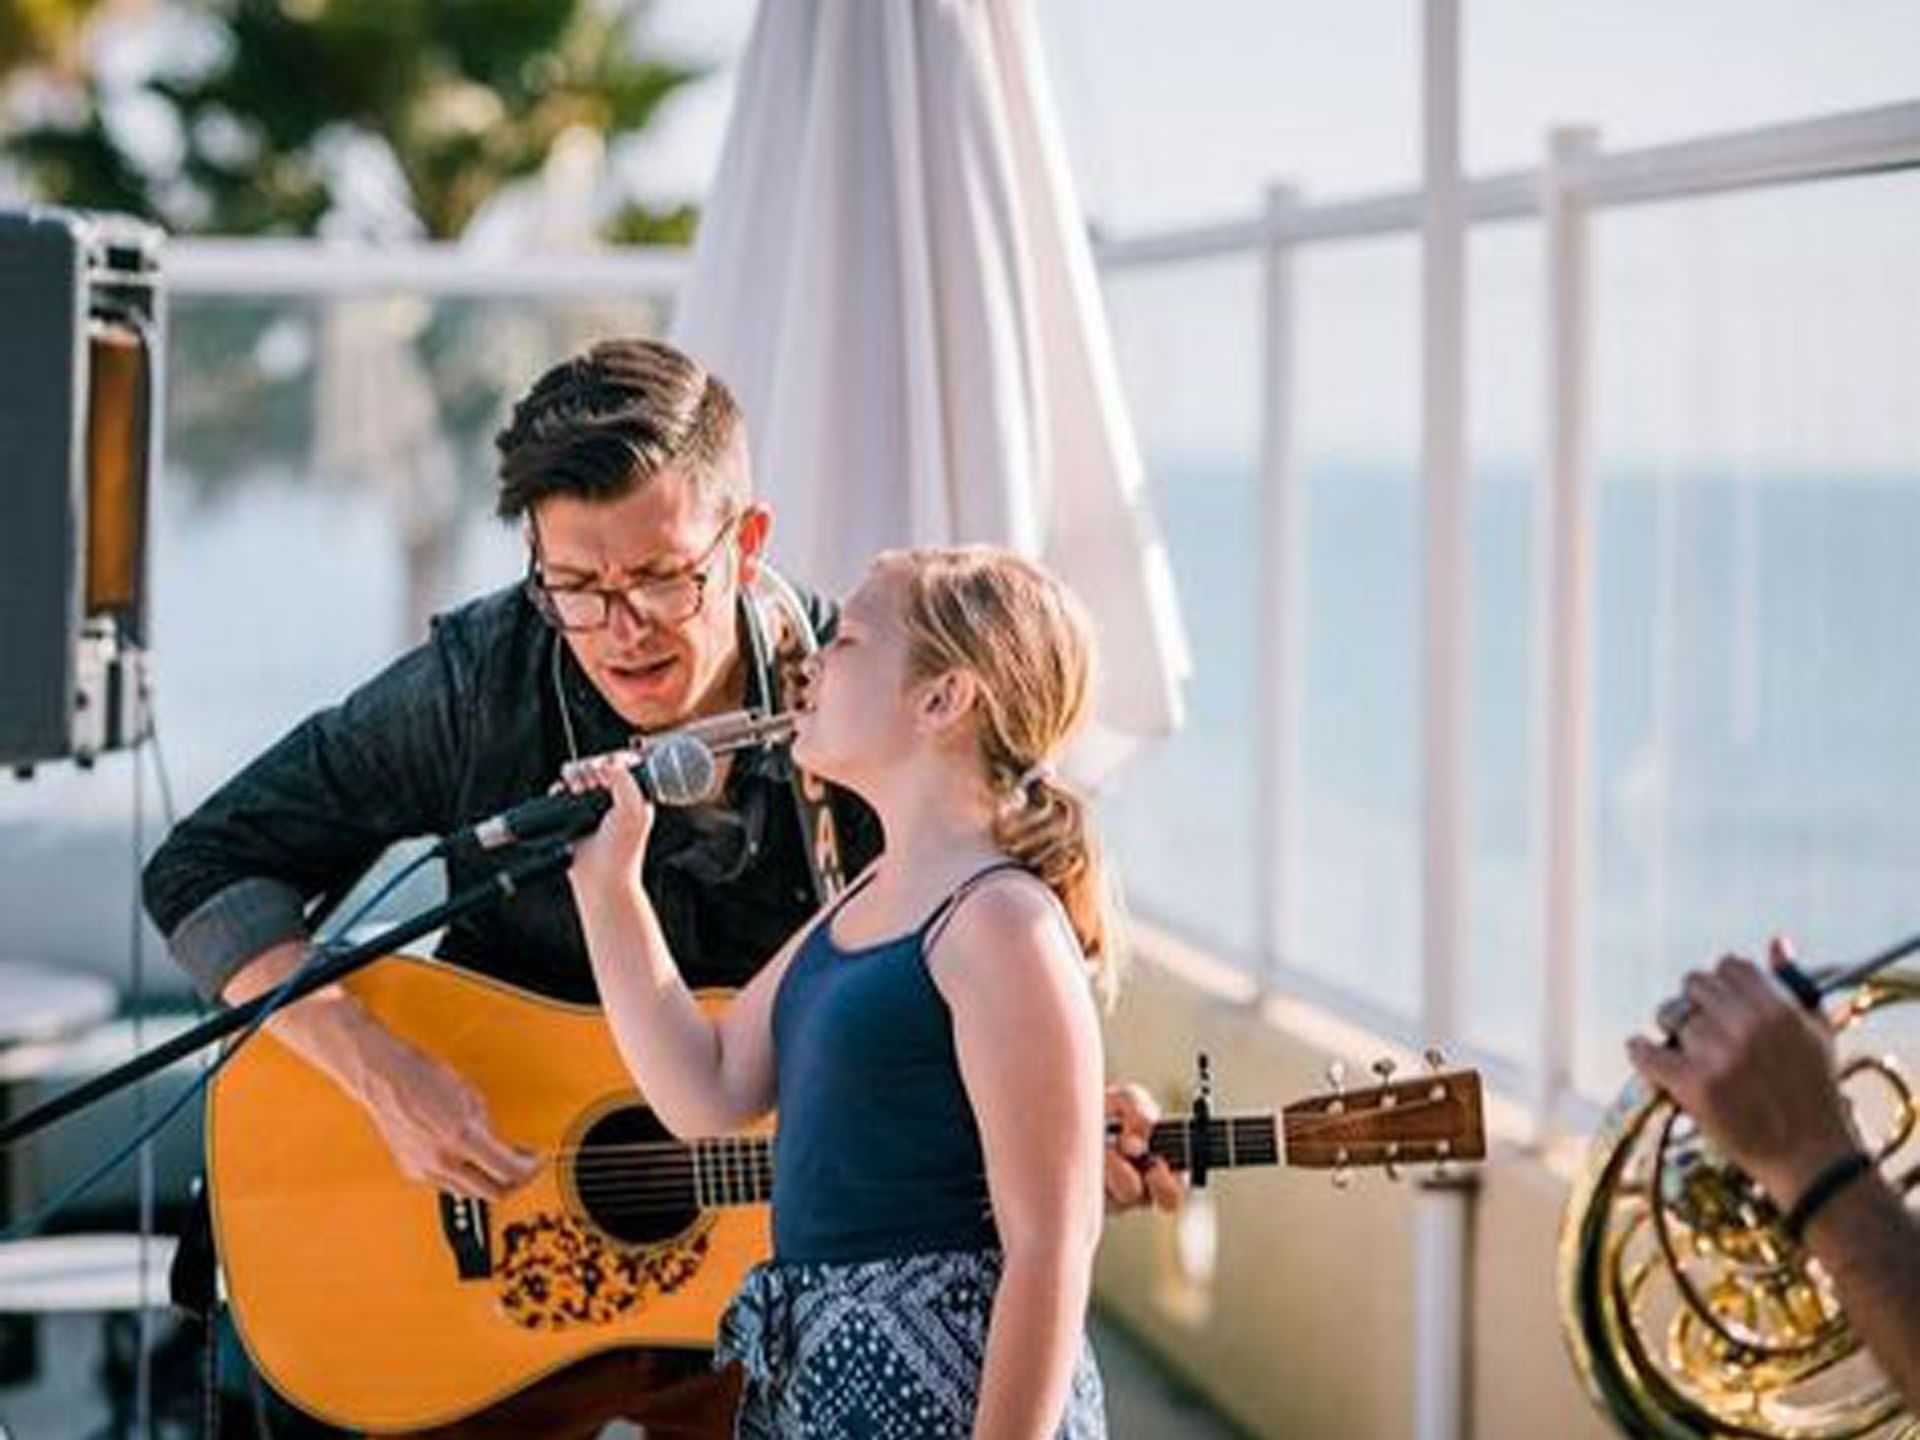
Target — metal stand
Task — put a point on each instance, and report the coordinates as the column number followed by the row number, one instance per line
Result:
column 536, row 865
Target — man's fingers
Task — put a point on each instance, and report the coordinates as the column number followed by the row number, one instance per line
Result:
column 1660, row 1066
column 1125, row 1186
column 1135, row 1112
column 504, row 1163
column 1711, row 1003
column 1164, row 1186
column 476, row 1183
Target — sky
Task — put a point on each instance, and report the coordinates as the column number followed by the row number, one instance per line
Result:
column 1171, row 123
column 1772, row 331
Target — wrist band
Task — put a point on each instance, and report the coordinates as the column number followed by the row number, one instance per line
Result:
column 1827, row 1184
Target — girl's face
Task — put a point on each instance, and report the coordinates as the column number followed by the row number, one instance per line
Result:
column 857, row 719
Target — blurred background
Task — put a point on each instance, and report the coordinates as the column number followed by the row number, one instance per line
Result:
column 1320, row 873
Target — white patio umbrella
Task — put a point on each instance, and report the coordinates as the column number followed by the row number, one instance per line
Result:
column 894, row 276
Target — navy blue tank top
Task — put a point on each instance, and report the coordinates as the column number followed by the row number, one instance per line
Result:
column 877, row 1154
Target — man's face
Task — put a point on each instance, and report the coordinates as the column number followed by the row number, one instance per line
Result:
column 659, row 669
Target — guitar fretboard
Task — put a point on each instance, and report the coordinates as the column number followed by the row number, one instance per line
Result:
column 1230, row 1140
column 733, row 1170
column 738, row 1170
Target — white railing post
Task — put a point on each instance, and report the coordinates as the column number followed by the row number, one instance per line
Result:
column 1445, row 486
column 1442, row 1309
column 1278, row 580
column 1563, row 606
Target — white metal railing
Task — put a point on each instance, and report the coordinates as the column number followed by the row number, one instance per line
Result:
column 1860, row 142
column 1574, row 180
column 304, row 267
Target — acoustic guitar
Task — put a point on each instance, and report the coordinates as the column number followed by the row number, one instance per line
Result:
column 378, row 1304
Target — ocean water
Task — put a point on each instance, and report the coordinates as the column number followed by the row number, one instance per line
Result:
column 1755, row 735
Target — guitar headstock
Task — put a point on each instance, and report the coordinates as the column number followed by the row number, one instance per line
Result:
column 1432, row 1118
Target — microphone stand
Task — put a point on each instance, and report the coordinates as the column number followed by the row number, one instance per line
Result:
column 538, row 863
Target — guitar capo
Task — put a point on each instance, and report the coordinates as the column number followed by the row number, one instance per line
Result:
column 1200, row 1127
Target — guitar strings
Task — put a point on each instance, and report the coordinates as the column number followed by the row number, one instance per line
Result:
column 604, row 1172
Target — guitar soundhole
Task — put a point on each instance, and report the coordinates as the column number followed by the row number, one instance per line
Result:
column 633, row 1179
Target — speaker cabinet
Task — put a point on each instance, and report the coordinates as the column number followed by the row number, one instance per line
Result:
column 80, row 422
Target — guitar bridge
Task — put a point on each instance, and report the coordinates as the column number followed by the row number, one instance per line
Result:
column 467, row 1226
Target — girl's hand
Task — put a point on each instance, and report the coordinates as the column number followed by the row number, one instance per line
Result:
column 610, row 857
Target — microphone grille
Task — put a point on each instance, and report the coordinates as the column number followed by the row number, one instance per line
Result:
column 683, row 771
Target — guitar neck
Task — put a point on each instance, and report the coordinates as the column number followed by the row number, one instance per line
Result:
column 1432, row 1118
column 738, row 1170
column 732, row 1170
column 1228, row 1140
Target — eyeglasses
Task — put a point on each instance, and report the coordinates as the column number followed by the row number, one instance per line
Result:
column 665, row 600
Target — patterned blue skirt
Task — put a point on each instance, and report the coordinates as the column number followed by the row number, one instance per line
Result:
column 884, row 1350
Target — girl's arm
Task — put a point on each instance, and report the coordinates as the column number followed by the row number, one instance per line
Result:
column 1028, row 1040
column 702, row 1077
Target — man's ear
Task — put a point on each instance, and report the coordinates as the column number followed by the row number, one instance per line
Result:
column 751, row 534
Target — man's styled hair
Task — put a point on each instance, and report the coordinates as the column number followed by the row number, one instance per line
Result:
column 598, row 425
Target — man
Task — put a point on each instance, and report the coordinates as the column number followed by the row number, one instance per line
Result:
column 628, row 469
column 1755, row 1070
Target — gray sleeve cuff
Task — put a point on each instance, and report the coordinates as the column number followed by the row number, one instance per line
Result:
column 231, row 927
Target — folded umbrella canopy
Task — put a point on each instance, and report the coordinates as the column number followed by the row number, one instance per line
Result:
column 893, row 274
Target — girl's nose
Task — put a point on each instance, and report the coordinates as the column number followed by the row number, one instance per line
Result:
column 807, row 677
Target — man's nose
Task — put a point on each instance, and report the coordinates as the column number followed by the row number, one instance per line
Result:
column 625, row 622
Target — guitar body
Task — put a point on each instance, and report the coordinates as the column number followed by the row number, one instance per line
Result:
column 378, row 1304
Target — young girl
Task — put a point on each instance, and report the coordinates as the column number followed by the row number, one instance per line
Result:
column 931, row 1040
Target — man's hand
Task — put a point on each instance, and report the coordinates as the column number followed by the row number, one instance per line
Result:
column 435, row 1123
column 1755, row 1070
column 1135, row 1177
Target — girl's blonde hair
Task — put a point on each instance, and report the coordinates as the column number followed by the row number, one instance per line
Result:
column 1027, row 642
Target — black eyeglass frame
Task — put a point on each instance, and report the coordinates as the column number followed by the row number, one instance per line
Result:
column 700, row 573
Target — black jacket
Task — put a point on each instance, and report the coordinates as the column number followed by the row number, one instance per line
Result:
column 458, row 729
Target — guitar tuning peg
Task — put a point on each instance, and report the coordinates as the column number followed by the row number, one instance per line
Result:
column 1391, row 1163
column 1436, row 1061
column 1390, row 1170
column 1442, row 1170
column 1342, row 1177
column 1384, row 1068
column 1337, row 1082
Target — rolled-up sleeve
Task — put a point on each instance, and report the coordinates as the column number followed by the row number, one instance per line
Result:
column 232, row 926
column 312, row 813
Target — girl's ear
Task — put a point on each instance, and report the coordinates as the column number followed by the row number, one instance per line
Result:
column 947, row 699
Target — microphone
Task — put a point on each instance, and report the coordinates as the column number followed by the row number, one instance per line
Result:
column 735, row 730
column 676, row 769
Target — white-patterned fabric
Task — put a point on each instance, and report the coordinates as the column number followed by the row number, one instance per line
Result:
column 882, row 1350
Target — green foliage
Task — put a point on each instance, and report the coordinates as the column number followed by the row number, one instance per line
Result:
column 40, row 32
column 637, row 224
column 467, row 96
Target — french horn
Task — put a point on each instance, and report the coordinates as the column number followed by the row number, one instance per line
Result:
column 1689, row 1313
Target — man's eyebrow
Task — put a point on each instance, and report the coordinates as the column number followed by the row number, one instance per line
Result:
column 656, row 568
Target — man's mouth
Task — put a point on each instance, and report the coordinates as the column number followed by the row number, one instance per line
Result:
column 642, row 672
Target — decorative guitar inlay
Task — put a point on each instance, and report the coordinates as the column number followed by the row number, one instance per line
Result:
column 557, row 1272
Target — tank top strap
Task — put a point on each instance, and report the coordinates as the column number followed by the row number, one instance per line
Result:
column 936, row 922
column 824, row 918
